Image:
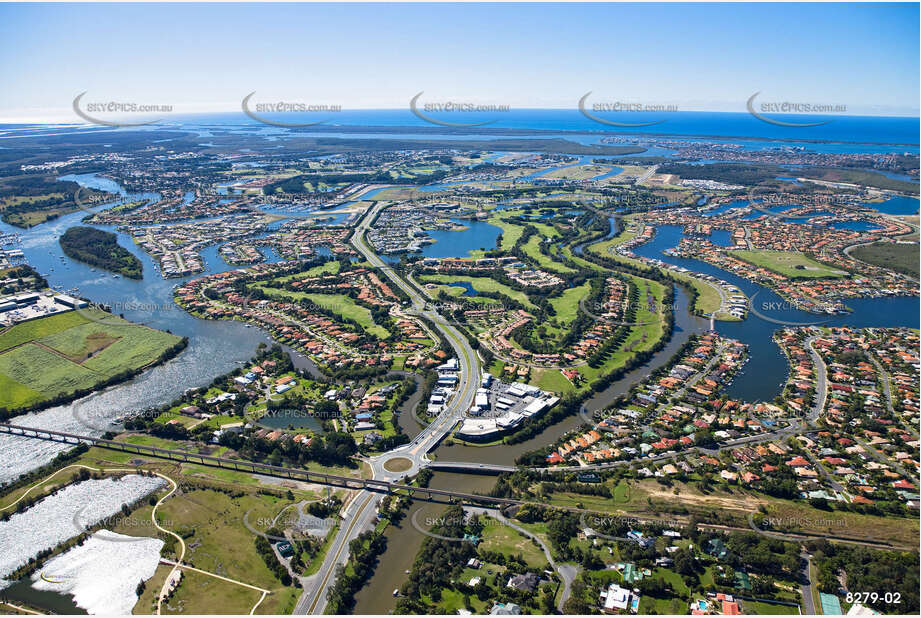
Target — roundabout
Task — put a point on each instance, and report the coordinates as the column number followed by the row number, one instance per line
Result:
column 398, row 464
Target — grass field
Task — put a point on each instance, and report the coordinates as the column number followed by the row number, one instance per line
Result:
column 501, row 538
column 347, row 308
column 767, row 609
column 218, row 541
column 566, row 304
column 340, row 304
column 326, row 268
column 510, row 232
column 64, row 353
column 901, row 258
column 550, row 380
column 792, row 264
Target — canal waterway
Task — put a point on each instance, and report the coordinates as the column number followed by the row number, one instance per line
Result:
column 404, row 542
column 763, row 376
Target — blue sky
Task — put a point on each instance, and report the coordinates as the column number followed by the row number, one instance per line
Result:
column 206, row 57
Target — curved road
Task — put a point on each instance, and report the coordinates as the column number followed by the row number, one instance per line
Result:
column 567, row 572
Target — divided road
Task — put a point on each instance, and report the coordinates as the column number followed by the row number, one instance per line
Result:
column 361, row 513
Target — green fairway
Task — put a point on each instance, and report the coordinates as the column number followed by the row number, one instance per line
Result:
column 327, row 268
column 532, row 250
column 510, row 232
column 481, row 284
column 566, row 304
column 792, row 264
column 347, row 308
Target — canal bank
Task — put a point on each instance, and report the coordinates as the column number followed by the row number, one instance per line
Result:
column 404, row 542
column 763, row 376
column 686, row 324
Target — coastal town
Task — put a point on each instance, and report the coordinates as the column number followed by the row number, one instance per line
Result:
column 551, row 303
column 409, row 355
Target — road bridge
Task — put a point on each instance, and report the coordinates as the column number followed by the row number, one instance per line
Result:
column 470, row 466
column 371, row 485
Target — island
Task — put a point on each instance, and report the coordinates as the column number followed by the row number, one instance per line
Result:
column 101, row 249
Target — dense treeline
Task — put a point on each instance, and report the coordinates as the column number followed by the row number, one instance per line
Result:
column 19, row 274
column 869, row 570
column 101, row 249
column 363, row 557
column 730, row 173
column 296, row 184
column 41, row 193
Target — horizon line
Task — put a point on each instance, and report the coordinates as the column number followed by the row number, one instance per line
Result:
column 76, row 122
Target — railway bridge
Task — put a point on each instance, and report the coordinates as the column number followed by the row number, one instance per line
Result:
column 237, row 465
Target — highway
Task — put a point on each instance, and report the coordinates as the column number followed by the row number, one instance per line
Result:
column 359, row 514
column 363, row 506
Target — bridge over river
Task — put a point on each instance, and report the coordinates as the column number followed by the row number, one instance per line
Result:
column 297, row 474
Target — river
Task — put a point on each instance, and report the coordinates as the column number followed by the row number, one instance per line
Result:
column 215, row 347
column 404, row 542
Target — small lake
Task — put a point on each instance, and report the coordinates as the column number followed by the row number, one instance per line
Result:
column 469, row 290
column 897, row 205
column 723, row 238
column 478, row 235
column 855, row 226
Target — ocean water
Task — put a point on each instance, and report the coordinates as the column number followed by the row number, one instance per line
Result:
column 841, row 128
column 853, row 133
